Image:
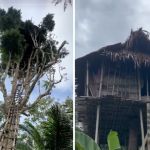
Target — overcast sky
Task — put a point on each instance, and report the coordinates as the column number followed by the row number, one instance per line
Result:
column 103, row 22
column 36, row 10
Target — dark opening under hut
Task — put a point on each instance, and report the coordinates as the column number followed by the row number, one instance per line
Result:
column 113, row 92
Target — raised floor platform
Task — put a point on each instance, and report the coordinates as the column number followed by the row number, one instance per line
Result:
column 115, row 113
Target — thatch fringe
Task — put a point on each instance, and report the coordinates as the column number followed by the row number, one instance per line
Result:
column 136, row 48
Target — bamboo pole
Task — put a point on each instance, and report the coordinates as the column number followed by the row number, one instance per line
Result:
column 148, row 115
column 87, row 79
column 147, row 88
column 98, row 108
column 113, row 88
column 97, row 124
column 100, row 83
column 139, row 86
column 142, row 130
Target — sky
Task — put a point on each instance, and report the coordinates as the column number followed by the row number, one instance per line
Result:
column 36, row 10
column 105, row 22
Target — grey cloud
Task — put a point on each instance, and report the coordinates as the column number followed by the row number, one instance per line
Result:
column 108, row 22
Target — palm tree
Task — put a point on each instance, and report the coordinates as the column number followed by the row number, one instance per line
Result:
column 53, row 134
column 32, row 140
column 57, row 130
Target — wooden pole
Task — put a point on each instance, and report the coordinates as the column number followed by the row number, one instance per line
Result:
column 107, row 80
column 113, row 88
column 101, row 81
column 142, row 130
column 148, row 115
column 147, row 88
column 87, row 79
column 97, row 124
column 98, row 108
column 139, row 86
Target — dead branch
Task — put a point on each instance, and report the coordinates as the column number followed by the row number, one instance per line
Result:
column 47, row 92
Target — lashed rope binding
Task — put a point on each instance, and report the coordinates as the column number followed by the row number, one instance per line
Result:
column 8, row 136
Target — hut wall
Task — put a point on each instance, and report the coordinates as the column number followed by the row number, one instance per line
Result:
column 114, row 83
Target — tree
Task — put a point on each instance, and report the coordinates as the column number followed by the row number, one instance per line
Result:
column 66, row 2
column 67, row 106
column 54, row 133
column 28, row 53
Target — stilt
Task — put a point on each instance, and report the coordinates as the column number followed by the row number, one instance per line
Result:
column 148, row 125
column 101, row 82
column 148, row 116
column 98, row 108
column 139, row 86
column 97, row 124
column 142, row 130
column 87, row 79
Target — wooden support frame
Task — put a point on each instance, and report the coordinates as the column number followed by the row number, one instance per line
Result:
column 98, row 107
column 113, row 88
column 97, row 124
column 139, row 85
column 87, row 79
column 147, row 88
column 142, row 130
column 101, row 81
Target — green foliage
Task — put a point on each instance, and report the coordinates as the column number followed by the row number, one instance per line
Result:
column 113, row 141
column 20, row 145
column 78, row 146
column 24, row 39
column 84, row 142
column 57, row 130
column 34, row 133
column 48, row 22
column 53, row 133
column 67, row 106
column 12, row 43
column 38, row 113
column 66, row 2
column 10, row 19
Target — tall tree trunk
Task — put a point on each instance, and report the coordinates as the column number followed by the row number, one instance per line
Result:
column 9, row 134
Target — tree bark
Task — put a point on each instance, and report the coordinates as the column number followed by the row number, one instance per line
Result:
column 9, row 133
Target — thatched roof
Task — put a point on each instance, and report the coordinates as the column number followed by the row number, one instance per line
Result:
column 136, row 49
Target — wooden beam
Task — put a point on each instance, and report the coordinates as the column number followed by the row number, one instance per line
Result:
column 97, row 124
column 113, row 88
column 147, row 88
column 139, row 85
column 148, row 115
column 87, row 79
column 145, row 141
column 142, row 130
column 98, row 107
column 101, row 81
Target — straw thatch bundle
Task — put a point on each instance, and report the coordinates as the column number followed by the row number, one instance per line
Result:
column 135, row 48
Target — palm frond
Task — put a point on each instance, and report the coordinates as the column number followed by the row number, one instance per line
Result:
column 23, row 146
column 57, row 129
column 33, row 132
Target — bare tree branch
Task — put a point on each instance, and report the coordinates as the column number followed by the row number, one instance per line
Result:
column 3, row 78
column 46, row 93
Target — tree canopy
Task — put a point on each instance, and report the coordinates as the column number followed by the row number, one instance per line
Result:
column 21, row 40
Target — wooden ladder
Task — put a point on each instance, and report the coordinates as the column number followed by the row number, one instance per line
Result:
column 9, row 134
